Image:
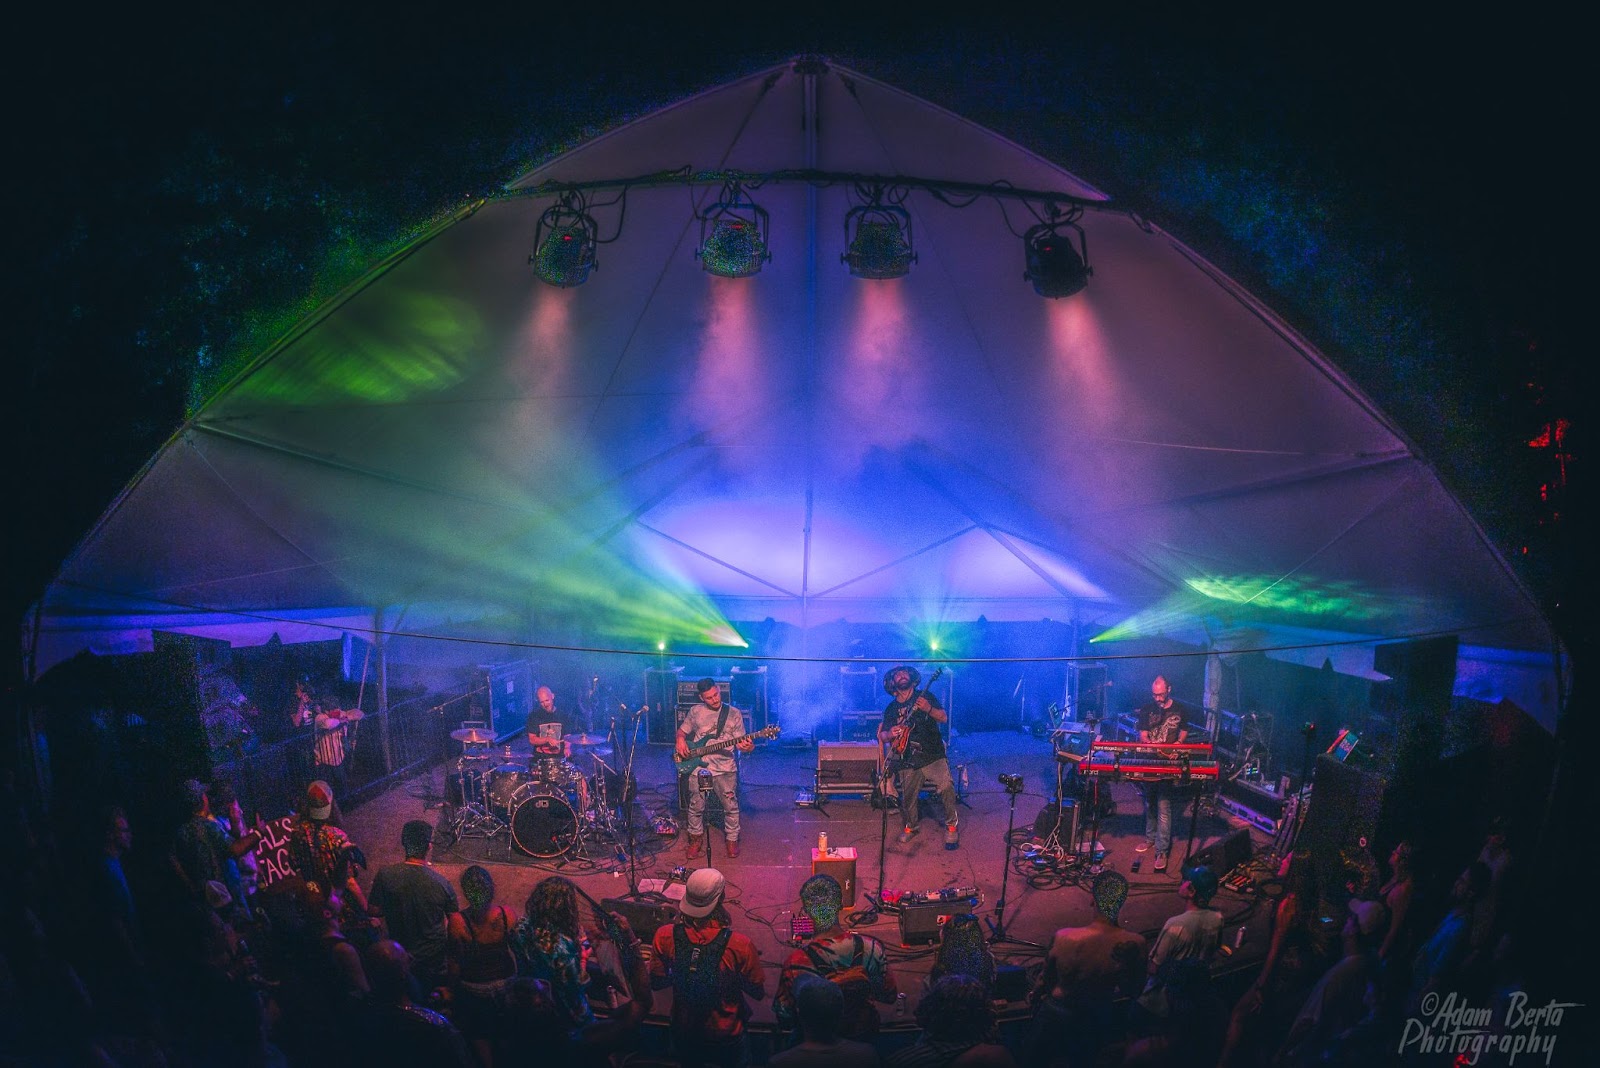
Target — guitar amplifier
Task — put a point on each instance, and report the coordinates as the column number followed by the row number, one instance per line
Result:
column 922, row 923
column 848, row 767
column 841, row 864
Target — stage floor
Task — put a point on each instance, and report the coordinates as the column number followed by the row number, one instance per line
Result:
column 779, row 836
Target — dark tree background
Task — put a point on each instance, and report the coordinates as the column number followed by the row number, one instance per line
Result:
column 183, row 189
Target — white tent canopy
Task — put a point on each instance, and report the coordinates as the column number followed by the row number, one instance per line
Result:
column 454, row 448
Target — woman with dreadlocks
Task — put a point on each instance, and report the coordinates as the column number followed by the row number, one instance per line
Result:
column 550, row 944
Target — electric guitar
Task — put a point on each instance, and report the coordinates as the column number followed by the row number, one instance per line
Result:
column 698, row 751
column 908, row 715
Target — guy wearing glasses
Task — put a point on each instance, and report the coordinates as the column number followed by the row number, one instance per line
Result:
column 1162, row 721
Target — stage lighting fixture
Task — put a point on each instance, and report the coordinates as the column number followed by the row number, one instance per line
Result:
column 733, row 235
column 880, row 244
column 1055, row 268
column 564, row 243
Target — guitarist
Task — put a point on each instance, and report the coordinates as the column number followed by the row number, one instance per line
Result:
column 713, row 721
column 910, row 730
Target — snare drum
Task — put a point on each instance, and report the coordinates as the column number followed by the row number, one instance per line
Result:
column 501, row 785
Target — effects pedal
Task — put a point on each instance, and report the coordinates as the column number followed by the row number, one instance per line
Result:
column 1138, row 862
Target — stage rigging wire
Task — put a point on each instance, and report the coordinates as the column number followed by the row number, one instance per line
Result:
column 370, row 633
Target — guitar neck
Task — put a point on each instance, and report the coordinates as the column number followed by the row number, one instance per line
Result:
column 706, row 748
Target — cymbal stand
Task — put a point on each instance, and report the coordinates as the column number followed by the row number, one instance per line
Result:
column 604, row 822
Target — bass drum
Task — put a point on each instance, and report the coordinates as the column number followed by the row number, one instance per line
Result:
column 543, row 823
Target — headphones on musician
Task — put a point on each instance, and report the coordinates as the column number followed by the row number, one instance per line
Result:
column 912, row 674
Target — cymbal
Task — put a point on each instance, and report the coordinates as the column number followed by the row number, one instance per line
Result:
column 586, row 741
column 352, row 713
column 472, row 736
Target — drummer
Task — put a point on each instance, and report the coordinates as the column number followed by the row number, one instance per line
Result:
column 546, row 727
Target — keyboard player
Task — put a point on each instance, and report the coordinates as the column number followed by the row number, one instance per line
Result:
column 1163, row 721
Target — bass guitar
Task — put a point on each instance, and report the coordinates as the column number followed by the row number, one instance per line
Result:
column 698, row 751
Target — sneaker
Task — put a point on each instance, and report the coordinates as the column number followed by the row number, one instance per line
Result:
column 732, row 847
column 696, row 845
column 1141, row 847
column 909, row 833
column 1161, row 862
column 952, row 837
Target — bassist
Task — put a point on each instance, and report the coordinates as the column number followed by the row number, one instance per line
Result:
column 910, row 730
column 713, row 721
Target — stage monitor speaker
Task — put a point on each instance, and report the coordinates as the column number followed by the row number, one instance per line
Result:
column 848, row 767
column 1225, row 855
column 923, row 925
column 645, row 917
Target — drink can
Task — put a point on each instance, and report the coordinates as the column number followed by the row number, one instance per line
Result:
column 822, row 843
column 1238, row 937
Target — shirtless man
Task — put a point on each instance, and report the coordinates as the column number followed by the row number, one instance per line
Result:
column 1087, row 970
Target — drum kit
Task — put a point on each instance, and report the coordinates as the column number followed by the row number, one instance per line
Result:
column 544, row 805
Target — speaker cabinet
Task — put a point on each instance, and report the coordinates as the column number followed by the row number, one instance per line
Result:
column 747, row 689
column 645, row 917
column 661, row 697
column 1226, row 855
column 848, row 767
column 923, row 925
column 1060, row 820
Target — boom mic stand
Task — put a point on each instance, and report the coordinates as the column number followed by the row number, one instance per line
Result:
column 997, row 926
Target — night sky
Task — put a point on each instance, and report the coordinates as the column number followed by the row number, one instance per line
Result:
column 1400, row 191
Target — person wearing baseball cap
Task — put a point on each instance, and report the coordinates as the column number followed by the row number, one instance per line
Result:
column 321, row 853
column 1189, row 938
column 712, row 970
column 319, row 800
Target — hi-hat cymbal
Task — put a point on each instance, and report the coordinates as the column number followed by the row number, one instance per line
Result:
column 472, row 736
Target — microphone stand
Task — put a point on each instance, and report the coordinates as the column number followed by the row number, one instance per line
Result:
column 627, row 777
column 869, row 915
column 997, row 926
